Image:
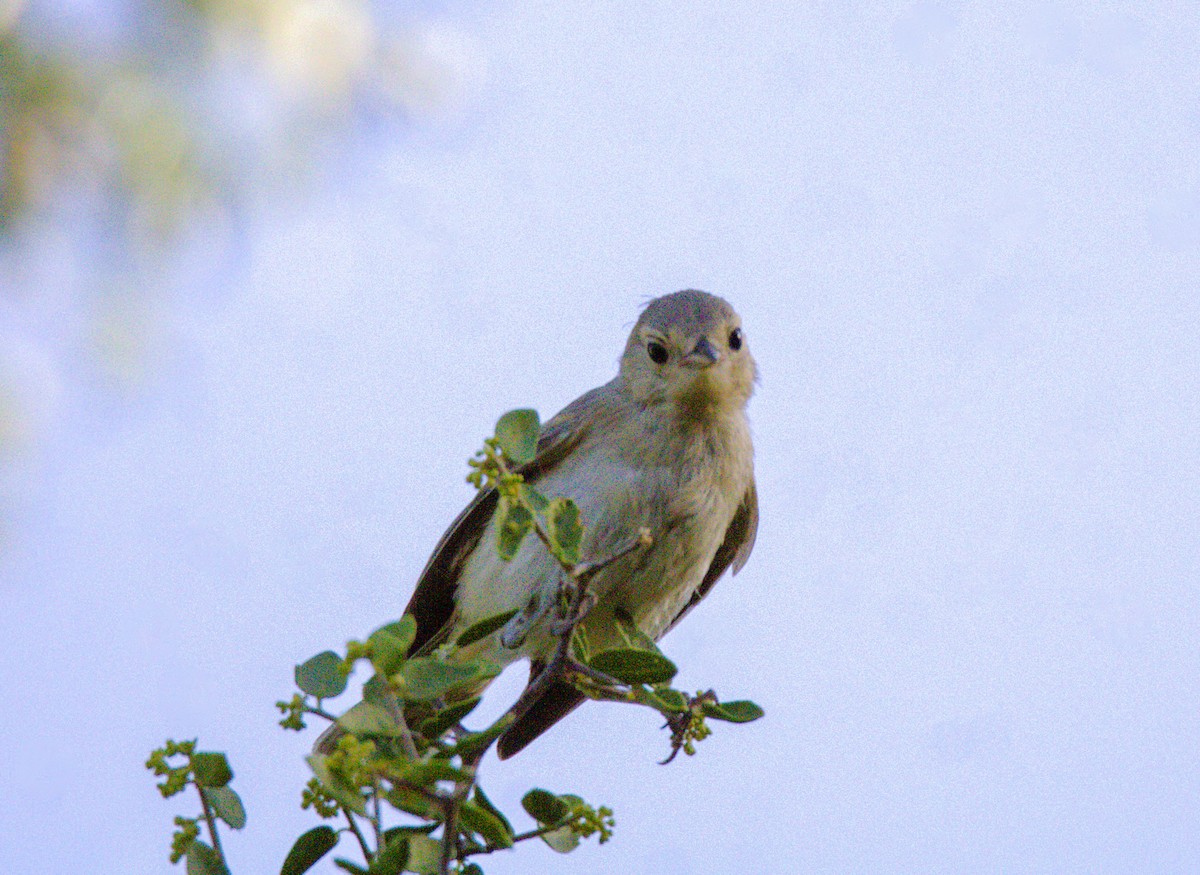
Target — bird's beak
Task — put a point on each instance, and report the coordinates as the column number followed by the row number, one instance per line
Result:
column 704, row 355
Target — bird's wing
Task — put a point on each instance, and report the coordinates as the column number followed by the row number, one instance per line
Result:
column 734, row 550
column 432, row 603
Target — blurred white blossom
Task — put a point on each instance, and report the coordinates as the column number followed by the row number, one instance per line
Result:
column 320, row 48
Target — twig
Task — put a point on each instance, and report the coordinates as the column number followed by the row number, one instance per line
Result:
column 449, row 833
column 585, row 571
column 212, row 825
column 519, row 837
column 377, row 816
column 562, row 662
column 406, row 739
column 362, row 842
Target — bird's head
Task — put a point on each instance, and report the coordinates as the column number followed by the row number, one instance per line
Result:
column 688, row 349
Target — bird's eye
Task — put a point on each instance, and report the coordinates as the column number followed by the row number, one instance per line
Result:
column 657, row 352
column 735, row 339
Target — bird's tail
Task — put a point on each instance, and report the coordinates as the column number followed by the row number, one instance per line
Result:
column 557, row 702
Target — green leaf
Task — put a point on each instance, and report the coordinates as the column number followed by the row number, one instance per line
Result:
column 483, row 802
column 472, row 869
column 339, row 788
column 672, row 700
column 321, row 676
column 227, row 805
column 635, row 666
column 536, row 500
column 413, row 802
column 203, row 860
column 471, row 744
column 428, row 772
column 517, row 434
column 424, row 855
column 393, row 832
column 742, row 711
column 564, row 528
column 427, row 677
column 479, row 820
column 346, row 866
column 367, row 718
column 391, row 860
column 436, row 725
column 482, row 629
column 374, row 689
column 632, row 635
column 389, row 644
column 564, row 840
column 515, row 523
column 211, row 769
column 308, row 849
column 405, row 630
column 544, row 807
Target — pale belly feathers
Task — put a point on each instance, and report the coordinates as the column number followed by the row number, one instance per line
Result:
column 615, row 500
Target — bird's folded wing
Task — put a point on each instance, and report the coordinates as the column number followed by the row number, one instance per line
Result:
column 734, row 550
column 432, row 603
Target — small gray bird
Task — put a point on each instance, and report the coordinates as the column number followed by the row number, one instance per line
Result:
column 664, row 445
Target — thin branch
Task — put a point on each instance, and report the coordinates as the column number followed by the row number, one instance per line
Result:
column 377, row 816
column 362, row 842
column 562, row 662
column 585, row 571
column 406, row 739
column 449, row 834
column 519, row 837
column 532, row 834
column 212, row 825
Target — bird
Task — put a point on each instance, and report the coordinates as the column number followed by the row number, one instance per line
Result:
column 666, row 446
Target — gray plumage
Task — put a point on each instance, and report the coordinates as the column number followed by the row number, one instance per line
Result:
column 666, row 445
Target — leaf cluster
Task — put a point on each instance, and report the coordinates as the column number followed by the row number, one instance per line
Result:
column 180, row 765
column 399, row 769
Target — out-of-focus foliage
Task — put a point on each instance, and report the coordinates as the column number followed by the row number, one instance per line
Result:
column 196, row 100
column 129, row 132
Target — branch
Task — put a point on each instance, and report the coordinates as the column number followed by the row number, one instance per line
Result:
column 519, row 837
column 406, row 739
column 362, row 842
column 377, row 816
column 449, row 833
column 563, row 664
column 212, row 825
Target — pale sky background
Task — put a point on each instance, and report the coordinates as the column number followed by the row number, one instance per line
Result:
column 966, row 247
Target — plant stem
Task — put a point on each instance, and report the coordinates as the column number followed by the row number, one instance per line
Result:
column 377, row 817
column 212, row 825
column 362, row 842
column 406, row 739
column 534, row 833
column 449, row 833
column 562, row 662
column 519, row 837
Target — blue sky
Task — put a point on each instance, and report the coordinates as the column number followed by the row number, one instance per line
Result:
column 965, row 243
